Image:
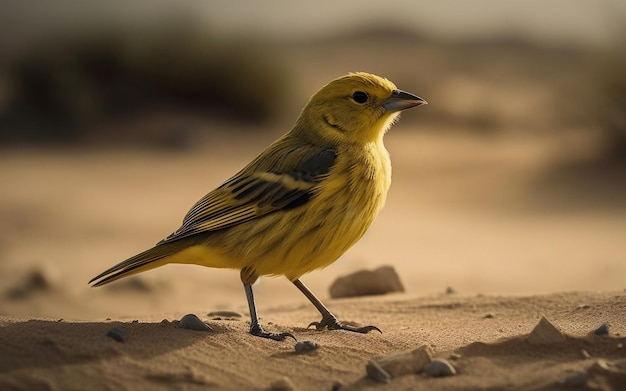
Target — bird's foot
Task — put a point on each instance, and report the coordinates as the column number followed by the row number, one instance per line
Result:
column 257, row 331
column 332, row 323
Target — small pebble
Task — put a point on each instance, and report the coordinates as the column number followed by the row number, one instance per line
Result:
column 116, row 334
column 489, row 316
column 602, row 367
column 439, row 367
column 620, row 364
column 576, row 379
column 585, row 354
column 337, row 386
column 283, row 384
column 225, row 314
column 192, row 322
column 584, row 307
column 376, row 372
column 450, row 290
column 306, row 346
column 603, row 329
column 619, row 345
column 136, row 321
column 405, row 363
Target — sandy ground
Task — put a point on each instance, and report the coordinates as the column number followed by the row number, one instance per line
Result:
column 470, row 214
column 484, row 337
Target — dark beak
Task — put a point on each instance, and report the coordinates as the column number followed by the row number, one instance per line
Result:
column 402, row 100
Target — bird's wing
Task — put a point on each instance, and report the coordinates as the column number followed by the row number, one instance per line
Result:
column 256, row 191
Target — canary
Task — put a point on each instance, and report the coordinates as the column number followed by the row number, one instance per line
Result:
column 300, row 204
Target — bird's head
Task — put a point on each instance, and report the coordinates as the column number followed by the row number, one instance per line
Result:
column 359, row 107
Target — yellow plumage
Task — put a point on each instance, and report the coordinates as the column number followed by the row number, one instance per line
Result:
column 301, row 203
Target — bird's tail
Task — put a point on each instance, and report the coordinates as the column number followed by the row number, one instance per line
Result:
column 149, row 259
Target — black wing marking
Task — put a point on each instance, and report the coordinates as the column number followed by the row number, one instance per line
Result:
column 249, row 195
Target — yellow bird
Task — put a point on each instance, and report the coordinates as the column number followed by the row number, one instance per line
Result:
column 300, row 204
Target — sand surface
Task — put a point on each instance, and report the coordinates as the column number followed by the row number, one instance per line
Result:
column 486, row 334
column 498, row 206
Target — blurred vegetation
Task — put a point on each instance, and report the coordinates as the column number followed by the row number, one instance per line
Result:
column 63, row 89
column 610, row 106
column 57, row 91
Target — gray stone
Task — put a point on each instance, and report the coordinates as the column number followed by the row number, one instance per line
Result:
column 192, row 322
column 576, row 379
column 407, row 362
column 283, row 384
column 439, row 367
column 366, row 283
column 376, row 372
column 306, row 346
column 603, row 329
column 116, row 334
column 224, row 314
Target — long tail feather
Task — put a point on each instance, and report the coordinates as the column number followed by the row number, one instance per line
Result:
column 146, row 260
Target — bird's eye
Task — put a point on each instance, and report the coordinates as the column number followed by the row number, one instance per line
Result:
column 360, row 97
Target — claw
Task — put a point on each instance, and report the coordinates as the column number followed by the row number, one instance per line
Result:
column 328, row 319
column 258, row 331
column 248, row 277
column 364, row 329
column 332, row 323
column 318, row 325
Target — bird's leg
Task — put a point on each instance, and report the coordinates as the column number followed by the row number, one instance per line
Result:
column 248, row 277
column 329, row 320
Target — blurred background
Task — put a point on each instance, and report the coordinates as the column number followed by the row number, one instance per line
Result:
column 115, row 117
